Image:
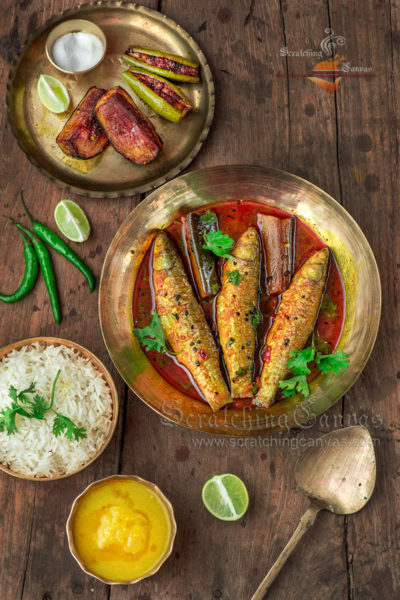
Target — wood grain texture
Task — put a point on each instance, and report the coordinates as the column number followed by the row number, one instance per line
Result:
column 345, row 143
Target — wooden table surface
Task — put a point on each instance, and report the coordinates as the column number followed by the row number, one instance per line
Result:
column 344, row 142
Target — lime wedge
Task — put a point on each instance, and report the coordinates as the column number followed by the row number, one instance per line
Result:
column 72, row 221
column 52, row 94
column 226, row 497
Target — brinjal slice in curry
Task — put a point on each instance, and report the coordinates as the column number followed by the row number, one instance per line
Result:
column 203, row 262
column 82, row 137
column 128, row 130
column 237, row 307
column 277, row 235
column 293, row 323
column 175, row 68
column 184, row 323
column 165, row 98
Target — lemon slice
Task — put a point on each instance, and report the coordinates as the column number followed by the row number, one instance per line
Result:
column 52, row 93
column 225, row 497
column 72, row 221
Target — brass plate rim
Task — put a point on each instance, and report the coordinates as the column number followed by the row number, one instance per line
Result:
column 306, row 410
column 206, row 70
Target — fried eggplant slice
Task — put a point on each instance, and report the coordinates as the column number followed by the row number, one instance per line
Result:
column 293, row 323
column 277, row 236
column 165, row 98
column 171, row 66
column 184, row 323
column 203, row 262
column 129, row 131
column 82, row 137
column 236, row 307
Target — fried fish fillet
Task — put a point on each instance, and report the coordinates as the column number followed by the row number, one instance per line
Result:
column 82, row 137
column 236, row 309
column 128, row 130
column 184, row 323
column 293, row 323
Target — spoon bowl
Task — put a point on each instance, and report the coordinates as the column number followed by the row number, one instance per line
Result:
column 339, row 472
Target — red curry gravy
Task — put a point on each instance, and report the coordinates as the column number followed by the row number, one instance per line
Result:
column 234, row 217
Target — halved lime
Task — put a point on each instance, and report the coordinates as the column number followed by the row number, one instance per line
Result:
column 226, row 497
column 52, row 93
column 72, row 221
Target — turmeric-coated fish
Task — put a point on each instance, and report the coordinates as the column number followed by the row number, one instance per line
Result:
column 293, row 323
column 237, row 312
column 82, row 137
column 184, row 323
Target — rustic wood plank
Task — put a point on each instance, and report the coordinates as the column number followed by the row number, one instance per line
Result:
column 368, row 111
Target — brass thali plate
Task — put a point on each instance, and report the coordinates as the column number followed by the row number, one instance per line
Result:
column 109, row 175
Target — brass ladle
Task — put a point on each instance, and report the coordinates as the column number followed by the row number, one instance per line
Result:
column 338, row 474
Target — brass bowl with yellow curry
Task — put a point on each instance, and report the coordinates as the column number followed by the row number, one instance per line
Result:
column 121, row 529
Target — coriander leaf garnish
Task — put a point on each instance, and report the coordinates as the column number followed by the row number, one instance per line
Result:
column 37, row 408
column 152, row 336
column 235, row 277
column 299, row 359
column 208, row 218
column 298, row 365
column 297, row 384
column 7, row 419
column 339, row 361
column 218, row 243
column 62, row 424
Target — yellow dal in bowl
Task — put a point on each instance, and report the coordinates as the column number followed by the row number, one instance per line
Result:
column 122, row 530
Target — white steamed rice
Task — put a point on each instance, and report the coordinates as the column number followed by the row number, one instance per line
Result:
column 82, row 394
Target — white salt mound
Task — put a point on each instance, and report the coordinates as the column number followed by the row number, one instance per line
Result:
column 77, row 51
column 82, row 394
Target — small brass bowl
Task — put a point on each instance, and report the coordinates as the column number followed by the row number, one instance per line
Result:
column 54, row 341
column 74, row 26
column 75, row 506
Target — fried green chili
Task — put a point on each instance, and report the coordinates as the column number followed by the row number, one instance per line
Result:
column 31, row 272
column 46, row 266
column 50, row 237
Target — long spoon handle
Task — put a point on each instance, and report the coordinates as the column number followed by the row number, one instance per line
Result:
column 306, row 521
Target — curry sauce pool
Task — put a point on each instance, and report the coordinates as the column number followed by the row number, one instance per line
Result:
column 234, row 217
column 122, row 529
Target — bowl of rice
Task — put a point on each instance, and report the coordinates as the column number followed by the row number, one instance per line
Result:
column 85, row 393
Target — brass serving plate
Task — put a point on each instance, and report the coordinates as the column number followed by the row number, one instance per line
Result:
column 267, row 186
column 109, row 175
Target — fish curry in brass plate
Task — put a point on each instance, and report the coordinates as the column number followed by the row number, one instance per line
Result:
column 109, row 174
column 238, row 299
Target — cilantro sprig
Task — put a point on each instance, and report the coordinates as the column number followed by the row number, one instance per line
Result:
column 152, row 336
column 218, row 243
column 28, row 403
column 299, row 368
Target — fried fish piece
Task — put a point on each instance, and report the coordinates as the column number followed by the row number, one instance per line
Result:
column 129, row 131
column 236, row 309
column 82, row 137
column 184, row 323
column 293, row 323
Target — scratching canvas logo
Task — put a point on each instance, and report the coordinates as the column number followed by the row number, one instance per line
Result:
column 328, row 72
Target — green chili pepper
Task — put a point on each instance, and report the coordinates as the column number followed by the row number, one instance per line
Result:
column 47, row 269
column 165, row 98
column 50, row 237
column 170, row 66
column 31, row 272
